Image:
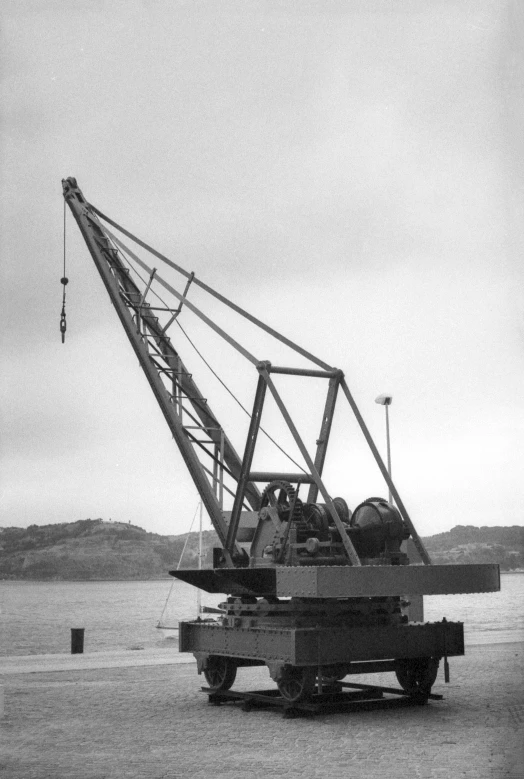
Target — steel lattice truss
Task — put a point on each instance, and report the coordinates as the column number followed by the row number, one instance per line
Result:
column 213, row 463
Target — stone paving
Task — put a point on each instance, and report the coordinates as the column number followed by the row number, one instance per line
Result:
column 152, row 722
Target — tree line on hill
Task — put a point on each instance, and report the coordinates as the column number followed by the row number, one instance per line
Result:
column 98, row 549
column 469, row 544
column 94, row 549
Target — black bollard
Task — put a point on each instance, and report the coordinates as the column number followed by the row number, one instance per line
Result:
column 77, row 641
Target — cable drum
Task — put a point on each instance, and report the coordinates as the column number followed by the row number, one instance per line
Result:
column 378, row 523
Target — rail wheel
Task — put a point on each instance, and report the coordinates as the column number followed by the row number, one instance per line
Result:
column 296, row 684
column 220, row 672
column 417, row 675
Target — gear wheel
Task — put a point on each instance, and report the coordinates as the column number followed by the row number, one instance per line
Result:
column 282, row 496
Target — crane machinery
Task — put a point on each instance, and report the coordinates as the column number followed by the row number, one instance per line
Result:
column 313, row 590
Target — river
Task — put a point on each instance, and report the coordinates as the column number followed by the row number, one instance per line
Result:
column 37, row 617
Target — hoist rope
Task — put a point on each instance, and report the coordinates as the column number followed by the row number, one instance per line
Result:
column 237, row 400
column 64, row 238
column 215, row 294
column 215, row 374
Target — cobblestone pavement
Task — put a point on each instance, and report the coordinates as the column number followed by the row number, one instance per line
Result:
column 153, row 722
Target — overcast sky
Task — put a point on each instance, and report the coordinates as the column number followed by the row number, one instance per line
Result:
column 350, row 172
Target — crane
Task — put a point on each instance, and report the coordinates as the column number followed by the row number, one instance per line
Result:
column 314, row 591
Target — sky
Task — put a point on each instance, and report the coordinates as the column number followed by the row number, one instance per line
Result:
column 349, row 172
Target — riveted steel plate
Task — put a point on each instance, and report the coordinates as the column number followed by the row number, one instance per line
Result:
column 336, row 581
column 269, row 645
column 340, row 645
column 231, row 581
column 324, row 646
column 381, row 580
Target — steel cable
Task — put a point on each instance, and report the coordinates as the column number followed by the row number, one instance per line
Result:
column 215, row 374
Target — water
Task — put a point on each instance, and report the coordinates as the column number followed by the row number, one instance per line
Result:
column 489, row 618
column 37, row 617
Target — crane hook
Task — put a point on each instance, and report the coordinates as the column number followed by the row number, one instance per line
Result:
column 63, row 325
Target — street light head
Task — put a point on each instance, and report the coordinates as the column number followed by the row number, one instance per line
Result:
column 384, row 400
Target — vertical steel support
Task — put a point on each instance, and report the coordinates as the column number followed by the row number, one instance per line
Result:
column 246, row 461
column 325, row 430
column 178, row 387
column 215, row 470
column 405, row 516
column 221, row 472
column 218, row 469
column 179, row 309
column 348, row 546
column 175, row 387
column 388, row 447
column 144, row 294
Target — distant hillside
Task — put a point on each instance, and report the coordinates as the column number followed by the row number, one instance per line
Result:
column 96, row 549
column 468, row 544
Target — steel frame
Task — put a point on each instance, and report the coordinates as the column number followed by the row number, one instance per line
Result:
column 333, row 581
column 344, row 697
column 363, row 637
column 159, row 359
column 323, row 646
column 182, row 404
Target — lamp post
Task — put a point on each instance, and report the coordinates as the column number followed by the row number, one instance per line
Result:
column 386, row 400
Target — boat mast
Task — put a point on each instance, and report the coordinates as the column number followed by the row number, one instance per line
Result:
column 199, row 591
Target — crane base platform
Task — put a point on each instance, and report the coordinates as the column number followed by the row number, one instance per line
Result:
column 344, row 697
